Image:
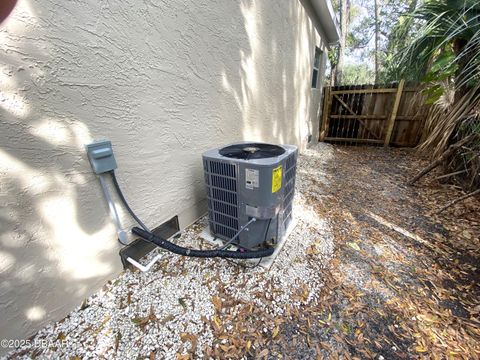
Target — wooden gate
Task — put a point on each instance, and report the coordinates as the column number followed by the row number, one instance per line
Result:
column 371, row 115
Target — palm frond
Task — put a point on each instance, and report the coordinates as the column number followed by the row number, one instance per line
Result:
column 443, row 25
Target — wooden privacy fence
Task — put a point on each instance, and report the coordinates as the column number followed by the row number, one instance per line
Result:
column 369, row 114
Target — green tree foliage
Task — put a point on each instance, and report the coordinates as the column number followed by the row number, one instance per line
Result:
column 357, row 74
column 360, row 44
column 398, row 30
column 438, row 43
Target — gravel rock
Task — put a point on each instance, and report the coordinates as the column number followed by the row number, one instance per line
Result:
column 139, row 314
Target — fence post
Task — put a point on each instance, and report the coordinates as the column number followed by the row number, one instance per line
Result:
column 393, row 115
column 325, row 111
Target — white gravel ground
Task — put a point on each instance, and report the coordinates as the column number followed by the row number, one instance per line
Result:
column 178, row 291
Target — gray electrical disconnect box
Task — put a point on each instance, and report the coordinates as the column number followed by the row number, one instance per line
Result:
column 100, row 154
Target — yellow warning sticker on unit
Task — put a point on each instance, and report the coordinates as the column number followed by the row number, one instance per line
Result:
column 277, row 179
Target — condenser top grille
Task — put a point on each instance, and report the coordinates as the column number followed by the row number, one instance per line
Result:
column 250, row 151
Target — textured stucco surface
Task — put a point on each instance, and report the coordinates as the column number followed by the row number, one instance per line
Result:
column 164, row 81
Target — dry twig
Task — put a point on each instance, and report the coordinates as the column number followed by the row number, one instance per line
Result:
column 461, row 198
column 446, row 154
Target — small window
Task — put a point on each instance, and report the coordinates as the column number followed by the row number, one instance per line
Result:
column 316, row 67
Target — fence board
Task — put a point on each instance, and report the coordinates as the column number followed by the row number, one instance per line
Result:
column 370, row 114
column 391, row 120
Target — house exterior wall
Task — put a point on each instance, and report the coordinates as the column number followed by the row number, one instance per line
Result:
column 164, row 81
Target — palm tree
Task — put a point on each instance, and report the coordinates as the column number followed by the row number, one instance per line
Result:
column 445, row 46
column 443, row 52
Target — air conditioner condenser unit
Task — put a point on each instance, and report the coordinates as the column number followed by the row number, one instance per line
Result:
column 250, row 190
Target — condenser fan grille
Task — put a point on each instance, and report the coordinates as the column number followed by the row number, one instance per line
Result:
column 252, row 151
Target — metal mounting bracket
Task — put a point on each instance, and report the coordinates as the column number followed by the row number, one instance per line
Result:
column 133, row 252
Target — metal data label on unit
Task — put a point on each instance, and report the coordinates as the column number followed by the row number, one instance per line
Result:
column 252, row 179
column 276, row 179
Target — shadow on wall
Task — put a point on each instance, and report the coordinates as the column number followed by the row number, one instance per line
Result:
column 162, row 91
column 52, row 249
column 272, row 86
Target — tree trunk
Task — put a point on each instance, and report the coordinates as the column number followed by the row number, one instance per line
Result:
column 333, row 73
column 344, row 12
column 377, row 40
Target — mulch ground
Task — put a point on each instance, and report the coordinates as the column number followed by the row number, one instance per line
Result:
column 368, row 272
column 404, row 283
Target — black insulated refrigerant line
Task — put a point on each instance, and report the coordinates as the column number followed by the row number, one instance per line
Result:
column 167, row 245
column 146, row 234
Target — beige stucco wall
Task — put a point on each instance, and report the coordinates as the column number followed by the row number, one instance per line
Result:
column 164, row 81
